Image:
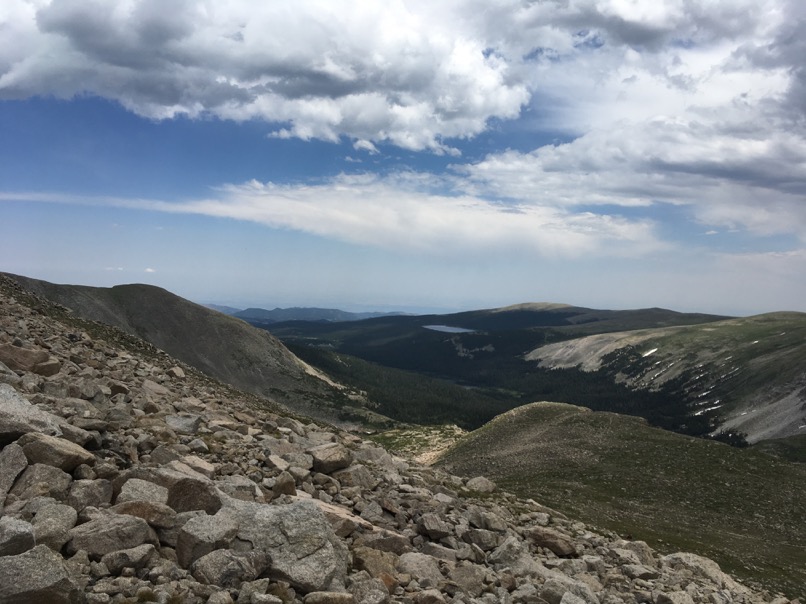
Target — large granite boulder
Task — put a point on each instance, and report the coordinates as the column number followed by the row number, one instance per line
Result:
column 18, row 417
column 299, row 541
column 38, row 575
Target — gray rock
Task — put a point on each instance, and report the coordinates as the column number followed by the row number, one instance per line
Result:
column 16, row 536
column 552, row 540
column 674, row 597
column 639, row 571
column 158, row 515
column 554, row 589
column 203, row 534
column 52, row 523
column 40, row 479
column 469, row 577
column 357, row 476
column 330, row 457
column 702, row 567
column 240, row 487
column 18, row 417
column 190, row 494
column 485, row 540
column 135, row 557
column 299, row 541
column 22, row 359
column 12, row 464
column 95, row 493
column 369, row 591
column 513, row 554
column 434, row 526
column 226, row 568
column 184, row 423
column 109, row 533
column 423, row 567
column 328, row 597
column 54, row 451
column 374, row 561
column 136, row 489
column 38, row 575
column 481, row 484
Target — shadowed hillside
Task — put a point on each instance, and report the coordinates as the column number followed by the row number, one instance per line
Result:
column 221, row 346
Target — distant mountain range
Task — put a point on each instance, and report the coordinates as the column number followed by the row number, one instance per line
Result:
column 693, row 373
column 278, row 315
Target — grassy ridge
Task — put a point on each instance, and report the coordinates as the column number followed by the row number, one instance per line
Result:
column 741, row 507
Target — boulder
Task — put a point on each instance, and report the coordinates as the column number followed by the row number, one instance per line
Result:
column 38, row 575
column 109, row 533
column 702, row 567
column 330, row 457
column 369, row 591
column 40, row 479
column 21, row 359
column 18, row 417
column 95, row 493
column 16, row 536
column 552, row 540
column 469, row 578
column 184, row 423
column 54, row 451
column 12, row 464
column 52, row 524
column 434, row 526
column 227, row 568
column 357, row 476
column 158, row 515
column 481, row 484
column 136, row 489
column 423, row 567
column 203, row 534
column 329, row 597
column 190, row 494
column 135, row 557
column 299, row 541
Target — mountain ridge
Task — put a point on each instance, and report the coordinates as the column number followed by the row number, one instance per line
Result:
column 224, row 347
column 125, row 479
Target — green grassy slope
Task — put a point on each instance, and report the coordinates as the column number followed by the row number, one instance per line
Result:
column 741, row 507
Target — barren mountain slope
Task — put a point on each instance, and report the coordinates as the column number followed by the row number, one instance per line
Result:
column 221, row 346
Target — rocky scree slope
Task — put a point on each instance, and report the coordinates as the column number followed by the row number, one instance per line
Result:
column 127, row 477
column 223, row 347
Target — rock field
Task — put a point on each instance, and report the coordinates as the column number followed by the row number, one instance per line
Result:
column 127, row 477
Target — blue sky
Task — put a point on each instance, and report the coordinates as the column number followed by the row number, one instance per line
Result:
column 409, row 155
